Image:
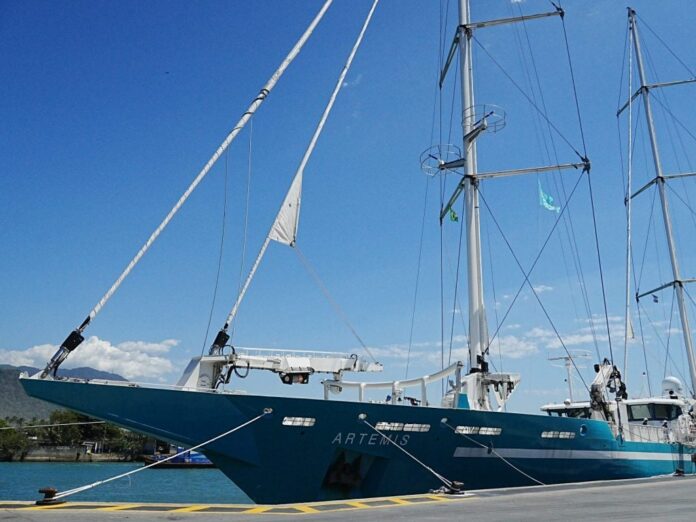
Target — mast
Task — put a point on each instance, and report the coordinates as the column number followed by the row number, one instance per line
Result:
column 677, row 282
column 479, row 384
column 478, row 328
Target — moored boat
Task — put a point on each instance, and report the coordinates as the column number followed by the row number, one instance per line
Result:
column 280, row 449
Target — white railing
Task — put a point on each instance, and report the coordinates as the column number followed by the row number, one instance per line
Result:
column 647, row 433
column 396, row 387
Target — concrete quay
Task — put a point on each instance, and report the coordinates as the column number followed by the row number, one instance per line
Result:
column 661, row 498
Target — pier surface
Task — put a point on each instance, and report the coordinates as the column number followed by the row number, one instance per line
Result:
column 662, row 498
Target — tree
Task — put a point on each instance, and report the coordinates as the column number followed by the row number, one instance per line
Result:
column 12, row 442
column 65, row 435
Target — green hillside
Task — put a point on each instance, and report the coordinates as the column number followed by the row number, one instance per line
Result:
column 15, row 403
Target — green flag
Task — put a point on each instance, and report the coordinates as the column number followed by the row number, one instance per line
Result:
column 453, row 215
column 546, row 201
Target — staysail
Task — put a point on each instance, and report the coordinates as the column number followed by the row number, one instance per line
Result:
column 284, row 228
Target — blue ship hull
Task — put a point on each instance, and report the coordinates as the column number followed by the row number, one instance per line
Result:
column 341, row 457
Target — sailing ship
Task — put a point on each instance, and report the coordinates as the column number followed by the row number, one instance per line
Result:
column 281, row 449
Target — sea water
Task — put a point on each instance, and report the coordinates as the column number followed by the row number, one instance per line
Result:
column 22, row 480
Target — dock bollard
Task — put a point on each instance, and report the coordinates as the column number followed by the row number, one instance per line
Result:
column 49, row 494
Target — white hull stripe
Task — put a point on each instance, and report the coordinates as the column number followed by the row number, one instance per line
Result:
column 521, row 453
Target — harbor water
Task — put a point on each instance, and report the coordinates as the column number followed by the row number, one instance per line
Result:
column 22, row 480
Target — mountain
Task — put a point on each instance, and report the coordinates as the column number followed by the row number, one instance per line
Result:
column 15, row 403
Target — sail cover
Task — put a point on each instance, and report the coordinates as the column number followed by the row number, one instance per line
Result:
column 284, row 228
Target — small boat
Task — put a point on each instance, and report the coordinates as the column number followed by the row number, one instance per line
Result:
column 190, row 459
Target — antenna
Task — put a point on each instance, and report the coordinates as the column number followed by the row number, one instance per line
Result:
column 568, row 365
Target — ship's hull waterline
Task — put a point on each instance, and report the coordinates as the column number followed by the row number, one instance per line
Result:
column 341, row 457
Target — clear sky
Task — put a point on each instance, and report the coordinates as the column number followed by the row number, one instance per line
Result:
column 109, row 109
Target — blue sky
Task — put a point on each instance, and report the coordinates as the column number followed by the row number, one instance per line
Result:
column 110, row 109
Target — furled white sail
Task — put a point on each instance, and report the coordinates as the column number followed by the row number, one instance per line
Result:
column 284, row 229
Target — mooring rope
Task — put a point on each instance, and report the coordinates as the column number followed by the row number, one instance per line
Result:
column 452, row 486
column 79, row 489
column 492, row 450
column 31, row 426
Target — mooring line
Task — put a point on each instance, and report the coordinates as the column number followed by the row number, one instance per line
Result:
column 79, row 489
column 452, row 486
column 30, row 426
column 492, row 450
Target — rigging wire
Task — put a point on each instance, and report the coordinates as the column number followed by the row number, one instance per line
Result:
column 436, row 123
column 442, row 197
column 220, row 254
column 575, row 90
column 443, row 185
column 651, row 221
column 601, row 271
column 536, row 107
column 442, row 291
column 685, row 203
column 334, row 304
column 527, row 274
column 628, row 203
column 643, row 22
column 275, row 233
column 456, row 286
column 495, row 299
column 674, row 117
column 242, row 257
column 569, row 228
column 669, row 334
column 645, row 351
column 567, row 220
column 418, row 271
column 658, row 336
column 589, row 184
column 75, row 338
column 665, row 106
column 451, row 271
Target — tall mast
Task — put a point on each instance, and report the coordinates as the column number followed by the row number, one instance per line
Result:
column 478, row 328
column 660, row 180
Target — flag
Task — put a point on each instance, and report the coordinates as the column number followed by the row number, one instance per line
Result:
column 453, row 215
column 546, row 201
